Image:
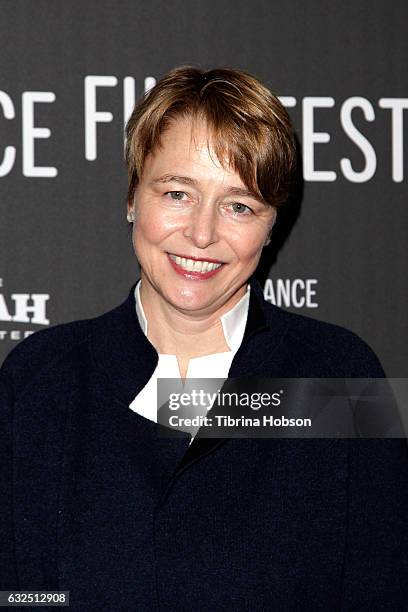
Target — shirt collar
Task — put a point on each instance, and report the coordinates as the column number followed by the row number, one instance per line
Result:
column 233, row 322
column 127, row 360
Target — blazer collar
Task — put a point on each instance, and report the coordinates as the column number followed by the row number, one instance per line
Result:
column 121, row 349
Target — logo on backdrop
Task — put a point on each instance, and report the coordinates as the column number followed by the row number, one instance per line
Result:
column 291, row 292
column 24, row 309
column 352, row 115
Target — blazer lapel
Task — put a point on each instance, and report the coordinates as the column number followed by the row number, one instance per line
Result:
column 245, row 363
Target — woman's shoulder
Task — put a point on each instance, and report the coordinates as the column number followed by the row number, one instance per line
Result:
column 42, row 349
column 62, row 346
column 335, row 343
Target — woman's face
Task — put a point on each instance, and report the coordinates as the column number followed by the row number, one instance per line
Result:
column 198, row 234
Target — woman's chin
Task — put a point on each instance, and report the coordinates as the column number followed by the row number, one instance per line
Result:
column 187, row 299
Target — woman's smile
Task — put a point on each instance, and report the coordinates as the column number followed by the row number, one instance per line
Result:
column 194, row 269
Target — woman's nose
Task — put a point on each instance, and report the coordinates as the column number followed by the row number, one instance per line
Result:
column 201, row 228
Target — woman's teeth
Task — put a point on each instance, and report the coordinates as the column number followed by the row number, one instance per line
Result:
column 192, row 265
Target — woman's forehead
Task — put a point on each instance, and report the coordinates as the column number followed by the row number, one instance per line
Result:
column 189, row 135
column 189, row 143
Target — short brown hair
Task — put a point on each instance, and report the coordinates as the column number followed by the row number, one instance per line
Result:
column 250, row 128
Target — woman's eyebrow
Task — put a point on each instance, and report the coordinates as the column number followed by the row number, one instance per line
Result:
column 166, row 178
column 229, row 190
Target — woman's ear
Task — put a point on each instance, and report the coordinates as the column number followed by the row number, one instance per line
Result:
column 131, row 211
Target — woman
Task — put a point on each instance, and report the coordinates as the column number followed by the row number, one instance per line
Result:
column 95, row 501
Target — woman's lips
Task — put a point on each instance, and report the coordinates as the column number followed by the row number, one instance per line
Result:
column 193, row 274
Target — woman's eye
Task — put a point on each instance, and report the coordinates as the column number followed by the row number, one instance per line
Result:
column 239, row 208
column 175, row 195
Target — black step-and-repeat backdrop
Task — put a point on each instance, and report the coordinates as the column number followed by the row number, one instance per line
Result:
column 70, row 73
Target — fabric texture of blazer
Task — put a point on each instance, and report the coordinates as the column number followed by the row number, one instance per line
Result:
column 94, row 501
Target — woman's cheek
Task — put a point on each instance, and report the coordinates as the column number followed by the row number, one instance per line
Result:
column 249, row 243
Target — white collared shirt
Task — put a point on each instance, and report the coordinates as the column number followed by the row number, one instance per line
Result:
column 216, row 365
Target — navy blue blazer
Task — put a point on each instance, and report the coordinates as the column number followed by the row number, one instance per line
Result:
column 94, row 501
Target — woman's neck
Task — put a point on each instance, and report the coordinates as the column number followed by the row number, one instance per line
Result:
column 178, row 333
